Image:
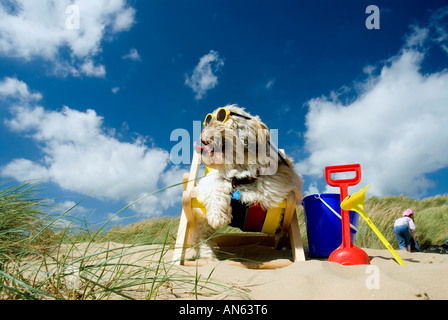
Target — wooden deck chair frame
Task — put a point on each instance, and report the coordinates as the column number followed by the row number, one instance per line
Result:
column 290, row 227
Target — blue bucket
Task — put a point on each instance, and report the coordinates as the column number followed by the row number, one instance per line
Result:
column 324, row 227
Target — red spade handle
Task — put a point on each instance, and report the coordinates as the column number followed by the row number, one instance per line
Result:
column 343, row 185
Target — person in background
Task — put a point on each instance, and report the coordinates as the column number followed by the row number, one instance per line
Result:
column 404, row 229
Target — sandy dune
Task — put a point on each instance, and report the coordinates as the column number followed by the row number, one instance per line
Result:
column 425, row 276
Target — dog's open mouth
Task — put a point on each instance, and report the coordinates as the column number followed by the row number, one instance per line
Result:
column 208, row 147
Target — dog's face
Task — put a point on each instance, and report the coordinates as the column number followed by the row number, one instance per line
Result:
column 234, row 142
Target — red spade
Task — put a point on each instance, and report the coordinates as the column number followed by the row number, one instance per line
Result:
column 346, row 253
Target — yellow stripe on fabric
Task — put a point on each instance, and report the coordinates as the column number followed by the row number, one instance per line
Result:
column 272, row 220
column 282, row 204
column 208, row 170
column 196, row 202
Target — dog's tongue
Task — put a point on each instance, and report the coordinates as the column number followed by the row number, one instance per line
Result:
column 198, row 148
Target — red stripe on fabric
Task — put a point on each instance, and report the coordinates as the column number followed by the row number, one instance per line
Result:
column 254, row 218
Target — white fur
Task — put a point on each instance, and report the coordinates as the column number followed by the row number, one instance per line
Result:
column 216, row 187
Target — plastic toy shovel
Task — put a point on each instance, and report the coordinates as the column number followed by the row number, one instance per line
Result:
column 356, row 203
column 346, row 253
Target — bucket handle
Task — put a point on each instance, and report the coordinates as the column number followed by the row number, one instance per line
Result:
column 317, row 196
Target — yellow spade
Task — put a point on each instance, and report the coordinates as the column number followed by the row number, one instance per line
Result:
column 356, row 203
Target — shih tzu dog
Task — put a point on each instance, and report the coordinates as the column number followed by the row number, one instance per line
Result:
column 248, row 170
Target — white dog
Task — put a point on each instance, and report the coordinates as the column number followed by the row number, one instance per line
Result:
column 248, row 170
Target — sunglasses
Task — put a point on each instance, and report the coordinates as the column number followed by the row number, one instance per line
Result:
column 222, row 116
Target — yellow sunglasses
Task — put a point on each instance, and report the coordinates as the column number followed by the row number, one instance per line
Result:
column 222, row 116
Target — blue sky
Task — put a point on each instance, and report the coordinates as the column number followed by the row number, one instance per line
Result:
column 88, row 109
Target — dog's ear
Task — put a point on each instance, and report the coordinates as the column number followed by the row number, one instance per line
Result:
column 254, row 135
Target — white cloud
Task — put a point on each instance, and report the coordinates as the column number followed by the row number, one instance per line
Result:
column 396, row 127
column 80, row 155
column 438, row 26
column 115, row 90
column 270, row 83
column 285, row 108
column 132, row 55
column 123, row 17
column 24, row 170
column 417, row 37
column 204, row 76
column 89, row 69
column 38, row 29
column 11, row 87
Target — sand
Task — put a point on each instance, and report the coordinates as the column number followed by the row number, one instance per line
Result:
column 425, row 276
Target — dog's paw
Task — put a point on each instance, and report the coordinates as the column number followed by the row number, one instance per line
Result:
column 218, row 216
column 205, row 251
column 217, row 221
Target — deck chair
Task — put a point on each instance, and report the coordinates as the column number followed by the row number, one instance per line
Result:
column 268, row 237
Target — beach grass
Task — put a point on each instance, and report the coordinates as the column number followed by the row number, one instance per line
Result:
column 54, row 256
column 152, row 231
